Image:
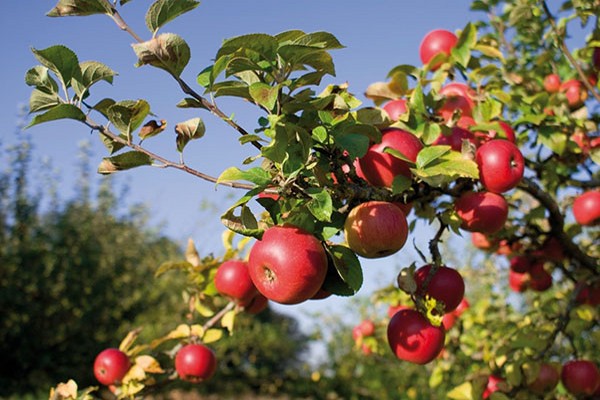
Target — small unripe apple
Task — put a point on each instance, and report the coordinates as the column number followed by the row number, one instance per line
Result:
column 436, row 42
column 446, row 285
column 501, row 165
column 195, row 363
column 110, row 366
column 395, row 108
column 580, row 377
column 484, row 212
column 586, row 208
column 288, row 265
column 376, row 229
column 552, row 83
column 413, row 338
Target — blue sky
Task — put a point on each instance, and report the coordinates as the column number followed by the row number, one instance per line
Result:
column 378, row 35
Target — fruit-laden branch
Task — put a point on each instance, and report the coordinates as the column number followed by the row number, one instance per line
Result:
column 164, row 162
column 557, row 224
column 120, row 22
column 563, row 46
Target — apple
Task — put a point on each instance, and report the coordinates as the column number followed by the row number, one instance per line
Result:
column 462, row 307
column 507, row 248
column 395, row 108
column 521, row 264
column 455, row 138
column 483, row 242
column 256, row 305
column 404, row 207
column 110, row 366
column 552, row 83
column 546, row 380
column 518, row 282
column 379, row 168
column 436, row 42
column 413, row 338
column 458, row 96
column 392, row 310
column 586, row 208
column 509, row 134
column 376, row 229
column 233, row 280
column 540, row 280
column 575, row 92
column 364, row 329
column 288, row 265
column 195, row 363
column 588, row 294
column 492, row 385
column 580, row 377
column 321, row 294
column 448, row 320
column 484, row 212
column 596, row 58
column 501, row 165
column 446, row 285
column 550, row 250
column 366, row 349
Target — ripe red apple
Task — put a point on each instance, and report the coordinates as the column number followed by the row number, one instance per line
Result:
column 455, row 138
column 288, row 265
column 540, row 280
column 195, row 363
column 518, row 282
column 551, row 250
column 381, row 168
column 586, row 208
column 446, row 285
column 413, row 338
column 575, row 92
column 436, row 42
column 364, row 329
column 233, row 280
column 552, row 83
column 546, row 380
column 448, row 320
column 483, row 242
column 484, row 212
column 580, row 377
column 395, row 108
column 376, row 229
column 458, row 96
column 462, row 307
column 110, row 366
column 501, row 165
column 492, row 385
column 521, row 264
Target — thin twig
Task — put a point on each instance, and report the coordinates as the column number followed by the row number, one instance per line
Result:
column 217, row 317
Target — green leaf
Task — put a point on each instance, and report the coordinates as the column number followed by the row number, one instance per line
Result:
column 103, row 105
column 492, row 52
column 354, row 143
column 128, row 115
column 276, row 151
column 167, row 51
column 163, row 11
column 322, row 40
column 236, row 223
column 595, row 155
column 347, row 265
column 461, row 392
column 61, row 111
column 553, row 139
column 190, row 102
column 446, row 169
column 430, row 154
column 39, row 100
column 255, row 175
column 263, row 94
column 320, row 205
column 461, row 53
column 38, row 76
column 80, row 8
column 92, row 72
column 258, row 43
column 189, row 130
column 62, row 61
column 124, row 161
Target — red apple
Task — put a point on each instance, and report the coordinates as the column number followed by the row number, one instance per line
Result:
column 288, row 265
column 484, row 212
column 376, row 229
column 455, row 138
column 575, row 93
column 483, row 242
column 233, row 280
column 366, row 349
column 392, row 310
column 395, row 108
column 381, row 168
column 195, row 363
column 448, row 320
column 446, row 286
column 492, row 385
column 586, row 208
column 588, row 294
column 518, row 282
column 551, row 250
column 413, row 338
column 258, row 304
column 458, row 96
column 110, row 366
column 462, row 307
column 501, row 165
column 506, row 248
column 546, row 380
column 436, row 42
column 596, row 58
column 540, row 280
column 580, row 377
column 508, row 134
column 364, row 329
column 521, row 264
column 552, row 83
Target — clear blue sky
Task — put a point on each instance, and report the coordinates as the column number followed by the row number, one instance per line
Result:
column 378, row 35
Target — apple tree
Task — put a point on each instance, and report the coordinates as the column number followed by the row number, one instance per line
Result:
column 493, row 137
